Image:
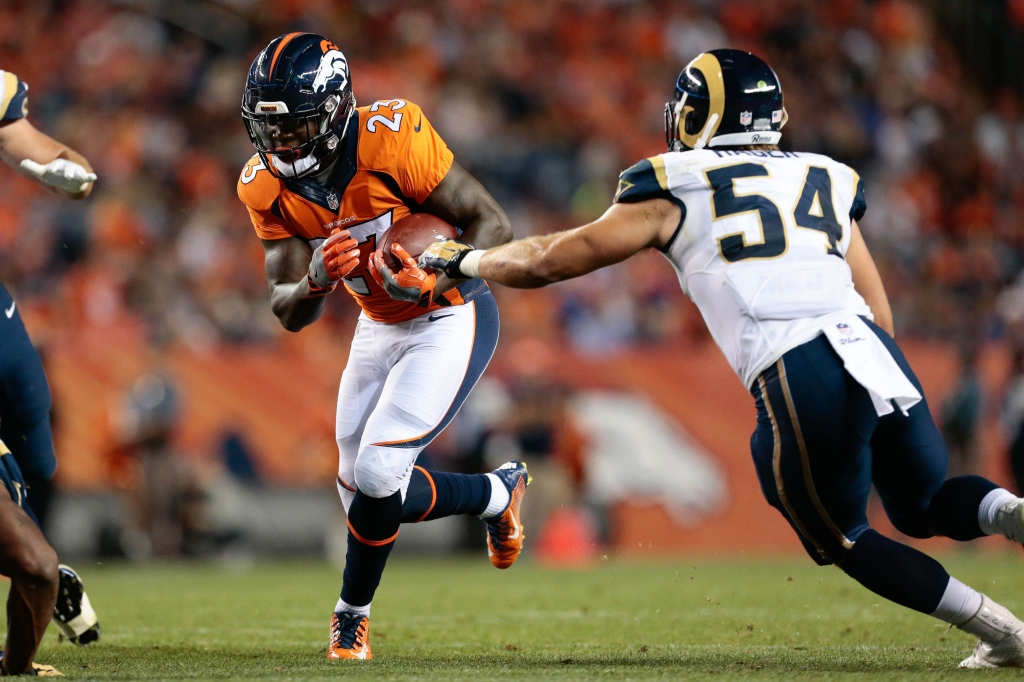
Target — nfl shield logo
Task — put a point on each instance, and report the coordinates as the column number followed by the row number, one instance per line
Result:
column 843, row 328
column 746, row 117
column 332, row 201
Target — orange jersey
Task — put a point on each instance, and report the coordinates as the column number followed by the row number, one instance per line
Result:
column 392, row 158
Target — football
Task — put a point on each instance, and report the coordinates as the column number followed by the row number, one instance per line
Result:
column 415, row 233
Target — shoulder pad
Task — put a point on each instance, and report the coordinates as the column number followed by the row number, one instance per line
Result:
column 13, row 97
column 384, row 130
column 644, row 180
column 257, row 187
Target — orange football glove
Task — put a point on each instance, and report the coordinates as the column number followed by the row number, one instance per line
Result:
column 337, row 257
column 376, row 265
column 410, row 283
column 341, row 254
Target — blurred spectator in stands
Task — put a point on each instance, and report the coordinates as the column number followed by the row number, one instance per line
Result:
column 538, row 429
column 238, row 459
column 961, row 413
column 162, row 496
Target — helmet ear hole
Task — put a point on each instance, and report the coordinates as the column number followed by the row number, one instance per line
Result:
column 690, row 123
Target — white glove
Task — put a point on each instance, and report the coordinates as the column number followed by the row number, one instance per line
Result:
column 61, row 173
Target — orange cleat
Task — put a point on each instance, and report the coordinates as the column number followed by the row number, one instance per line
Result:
column 504, row 531
column 350, row 638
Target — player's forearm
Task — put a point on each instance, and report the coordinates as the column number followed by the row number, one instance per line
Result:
column 529, row 263
column 462, row 201
column 20, row 141
column 867, row 281
column 487, row 231
column 623, row 230
column 293, row 305
column 883, row 314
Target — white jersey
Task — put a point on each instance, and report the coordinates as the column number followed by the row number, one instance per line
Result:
column 761, row 246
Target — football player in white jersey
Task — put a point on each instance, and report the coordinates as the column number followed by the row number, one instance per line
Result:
column 766, row 244
column 40, row 587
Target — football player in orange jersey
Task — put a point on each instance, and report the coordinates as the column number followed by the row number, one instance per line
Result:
column 327, row 180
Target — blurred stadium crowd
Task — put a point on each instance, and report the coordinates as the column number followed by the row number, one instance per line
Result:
column 544, row 100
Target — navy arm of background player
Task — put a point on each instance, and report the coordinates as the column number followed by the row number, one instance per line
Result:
column 286, row 263
column 462, row 201
column 20, row 140
column 624, row 229
column 867, row 281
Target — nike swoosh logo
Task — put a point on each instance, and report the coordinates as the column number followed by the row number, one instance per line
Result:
column 432, row 318
column 417, row 128
column 10, row 311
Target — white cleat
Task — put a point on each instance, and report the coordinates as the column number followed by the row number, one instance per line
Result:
column 1000, row 635
column 1009, row 519
column 73, row 614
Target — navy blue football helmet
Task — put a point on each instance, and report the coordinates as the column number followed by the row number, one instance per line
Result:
column 297, row 104
column 725, row 98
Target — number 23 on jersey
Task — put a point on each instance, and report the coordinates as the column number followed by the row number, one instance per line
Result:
column 394, row 123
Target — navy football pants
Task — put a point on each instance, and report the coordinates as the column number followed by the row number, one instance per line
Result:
column 818, row 447
column 24, row 396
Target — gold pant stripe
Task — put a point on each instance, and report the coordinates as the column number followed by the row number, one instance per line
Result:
column 806, row 462
column 777, row 470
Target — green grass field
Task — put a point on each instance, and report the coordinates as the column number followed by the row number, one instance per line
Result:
column 463, row 619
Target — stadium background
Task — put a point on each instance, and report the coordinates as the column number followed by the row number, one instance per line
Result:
column 149, row 302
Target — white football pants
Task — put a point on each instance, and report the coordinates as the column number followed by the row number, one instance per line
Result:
column 403, row 384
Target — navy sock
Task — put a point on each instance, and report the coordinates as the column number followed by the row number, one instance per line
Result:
column 436, row 494
column 899, row 573
column 953, row 512
column 372, row 529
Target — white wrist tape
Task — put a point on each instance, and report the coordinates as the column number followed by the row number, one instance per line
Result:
column 470, row 265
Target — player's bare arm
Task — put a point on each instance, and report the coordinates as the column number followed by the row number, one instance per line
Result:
column 462, row 201
column 623, row 230
column 47, row 162
column 867, row 281
column 285, row 262
column 300, row 276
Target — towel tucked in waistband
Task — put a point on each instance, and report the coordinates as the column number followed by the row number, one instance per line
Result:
column 869, row 362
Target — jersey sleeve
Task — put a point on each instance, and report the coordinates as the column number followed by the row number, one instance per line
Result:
column 401, row 142
column 259, row 191
column 859, row 205
column 13, row 97
column 644, row 180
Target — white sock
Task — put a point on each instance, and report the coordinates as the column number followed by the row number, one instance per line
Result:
column 959, row 603
column 342, row 607
column 500, row 498
column 988, row 507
